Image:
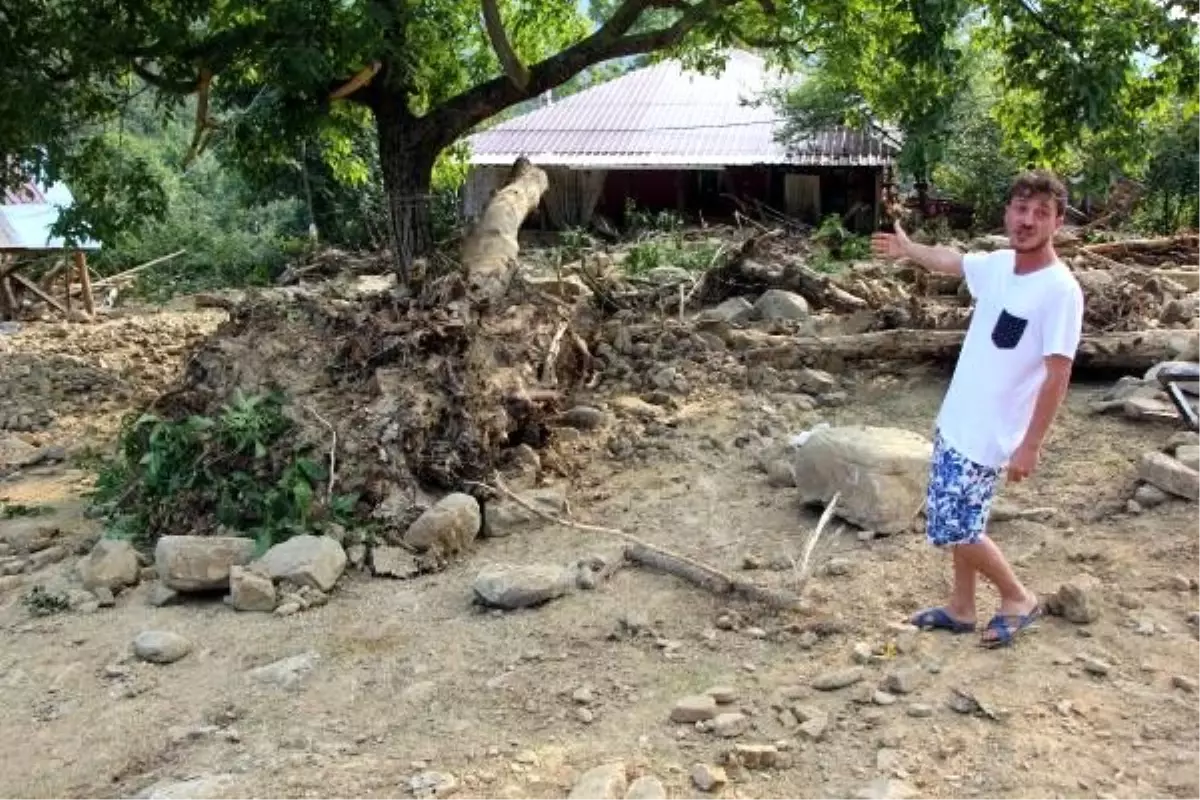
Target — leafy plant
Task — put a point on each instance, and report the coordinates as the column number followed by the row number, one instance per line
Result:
column 839, row 244
column 238, row 469
column 651, row 254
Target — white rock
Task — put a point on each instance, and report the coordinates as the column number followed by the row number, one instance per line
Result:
column 734, row 309
column 111, row 564
column 779, row 304
column 450, row 526
column 250, row 590
column 432, row 784
column 200, row 563
column 1170, row 475
column 694, row 708
column 607, row 782
column 1188, row 455
column 881, row 474
column 512, row 586
column 316, row 561
column 194, row 789
column 647, row 787
column 287, row 672
column 160, row 647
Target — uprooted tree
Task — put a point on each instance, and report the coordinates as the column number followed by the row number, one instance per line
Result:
column 268, row 76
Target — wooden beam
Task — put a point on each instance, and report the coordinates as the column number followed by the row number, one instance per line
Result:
column 33, row 287
column 89, row 303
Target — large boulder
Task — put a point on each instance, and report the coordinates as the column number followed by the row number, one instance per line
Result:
column 200, row 563
column 316, row 561
column 881, row 474
column 779, row 304
column 1170, row 475
column 512, row 586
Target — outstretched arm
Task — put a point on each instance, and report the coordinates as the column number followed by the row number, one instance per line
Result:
column 935, row 258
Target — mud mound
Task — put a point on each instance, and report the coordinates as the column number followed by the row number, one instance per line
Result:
column 409, row 394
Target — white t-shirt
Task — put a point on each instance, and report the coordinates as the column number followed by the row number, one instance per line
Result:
column 1018, row 320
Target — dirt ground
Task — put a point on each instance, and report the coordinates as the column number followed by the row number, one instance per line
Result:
column 407, row 677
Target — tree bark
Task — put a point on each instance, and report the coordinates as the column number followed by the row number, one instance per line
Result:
column 408, row 148
column 1127, row 353
column 489, row 253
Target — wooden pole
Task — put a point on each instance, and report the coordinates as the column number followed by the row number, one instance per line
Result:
column 85, row 279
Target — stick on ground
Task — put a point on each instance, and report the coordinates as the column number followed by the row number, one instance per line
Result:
column 641, row 552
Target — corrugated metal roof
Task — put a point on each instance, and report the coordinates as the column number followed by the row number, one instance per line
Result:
column 664, row 116
column 28, row 213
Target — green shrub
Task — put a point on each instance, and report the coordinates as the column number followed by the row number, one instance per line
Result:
column 239, row 469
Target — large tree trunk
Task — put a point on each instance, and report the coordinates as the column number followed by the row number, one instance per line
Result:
column 408, row 148
column 1129, row 353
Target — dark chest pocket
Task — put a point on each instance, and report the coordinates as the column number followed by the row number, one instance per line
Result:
column 1008, row 331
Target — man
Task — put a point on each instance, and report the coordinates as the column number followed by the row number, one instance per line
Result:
column 1011, row 377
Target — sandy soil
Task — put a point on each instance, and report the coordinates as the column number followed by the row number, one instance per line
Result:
column 408, row 676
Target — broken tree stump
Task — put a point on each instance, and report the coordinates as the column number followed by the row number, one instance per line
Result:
column 489, row 252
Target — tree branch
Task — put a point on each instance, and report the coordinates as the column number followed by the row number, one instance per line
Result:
column 461, row 113
column 509, row 62
column 165, row 84
column 203, row 87
column 361, row 79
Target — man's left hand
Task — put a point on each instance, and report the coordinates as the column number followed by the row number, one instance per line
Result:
column 1023, row 462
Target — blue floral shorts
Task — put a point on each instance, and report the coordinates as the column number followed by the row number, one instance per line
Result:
column 959, row 496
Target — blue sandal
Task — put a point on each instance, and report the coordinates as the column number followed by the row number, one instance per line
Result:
column 939, row 618
column 1004, row 634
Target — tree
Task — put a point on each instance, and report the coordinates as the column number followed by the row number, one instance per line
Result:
column 1067, row 84
column 270, row 74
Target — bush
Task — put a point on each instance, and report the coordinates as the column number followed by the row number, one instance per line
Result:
column 239, row 469
column 651, row 254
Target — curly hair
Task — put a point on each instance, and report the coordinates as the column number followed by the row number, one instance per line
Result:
column 1038, row 182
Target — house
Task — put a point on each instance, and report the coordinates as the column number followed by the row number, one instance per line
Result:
column 662, row 137
column 27, row 213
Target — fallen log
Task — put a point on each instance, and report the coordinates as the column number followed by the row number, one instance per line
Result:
column 489, row 252
column 747, row 276
column 1131, row 352
column 1130, row 247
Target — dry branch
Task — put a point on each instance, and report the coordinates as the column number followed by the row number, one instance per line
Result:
column 641, row 552
column 361, row 79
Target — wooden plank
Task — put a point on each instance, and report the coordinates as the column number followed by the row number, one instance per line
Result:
column 89, row 303
column 33, row 287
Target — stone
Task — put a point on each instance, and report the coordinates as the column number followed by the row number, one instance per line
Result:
column 815, row 381
column 735, row 309
column 432, row 784
column 217, row 785
column 512, row 586
column 905, row 680
column 694, row 708
column 1142, row 407
column 647, row 787
column 104, row 597
column 288, row 607
column 888, row 759
column 838, row 679
column 1170, row 475
column 815, row 725
column 779, row 304
column 449, row 527
column 584, row 695
column 838, row 566
column 730, row 725
column 887, row 789
column 505, row 518
column 919, row 710
column 1077, row 600
column 585, row 418
column 585, row 715
column 1185, row 683
column 756, row 756
column 780, row 475
column 161, row 596
column 1189, row 456
column 1095, row 666
column 708, row 778
column 1149, row 496
column 808, row 640
column 394, row 562
column 605, row 782
column 881, row 474
column 161, row 647
column 200, row 563
column 287, row 672
column 111, row 564
column 250, row 590
column 305, row 560
column 723, row 695
column 882, row 698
